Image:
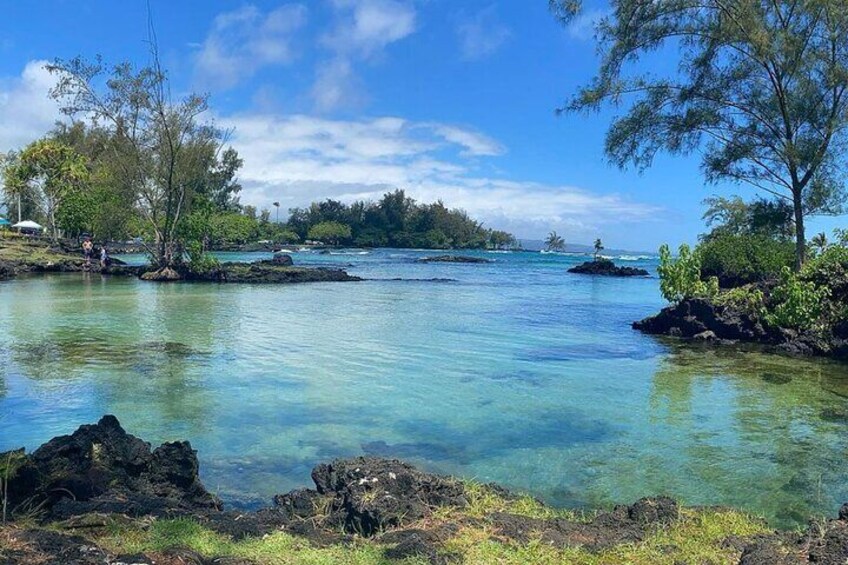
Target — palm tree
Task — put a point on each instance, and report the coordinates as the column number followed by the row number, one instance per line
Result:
column 819, row 242
column 599, row 246
column 554, row 242
column 277, row 206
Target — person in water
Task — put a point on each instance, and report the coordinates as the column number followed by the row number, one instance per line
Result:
column 104, row 257
column 87, row 248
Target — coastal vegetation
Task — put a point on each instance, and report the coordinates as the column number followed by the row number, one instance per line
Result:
column 396, row 220
column 740, row 286
column 554, row 242
column 598, row 247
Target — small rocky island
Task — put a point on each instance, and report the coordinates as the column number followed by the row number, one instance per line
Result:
column 606, row 268
column 104, row 496
column 454, row 259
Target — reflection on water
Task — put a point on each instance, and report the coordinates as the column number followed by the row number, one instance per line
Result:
column 517, row 372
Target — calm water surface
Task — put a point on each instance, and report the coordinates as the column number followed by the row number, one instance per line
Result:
column 514, row 372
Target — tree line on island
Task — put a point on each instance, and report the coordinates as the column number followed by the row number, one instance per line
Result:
column 132, row 162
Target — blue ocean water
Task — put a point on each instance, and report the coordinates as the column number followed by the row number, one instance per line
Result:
column 513, row 371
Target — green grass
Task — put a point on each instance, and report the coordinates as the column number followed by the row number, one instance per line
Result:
column 696, row 538
column 483, row 501
column 274, row 549
column 31, row 251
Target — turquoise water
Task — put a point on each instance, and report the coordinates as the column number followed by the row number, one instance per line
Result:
column 514, row 372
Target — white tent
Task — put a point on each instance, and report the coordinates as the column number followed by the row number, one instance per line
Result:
column 28, row 225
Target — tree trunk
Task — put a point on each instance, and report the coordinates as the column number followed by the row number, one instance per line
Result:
column 800, row 236
column 55, row 229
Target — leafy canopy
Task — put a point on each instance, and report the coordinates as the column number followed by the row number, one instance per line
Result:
column 680, row 277
column 50, row 174
column 554, row 242
column 759, row 91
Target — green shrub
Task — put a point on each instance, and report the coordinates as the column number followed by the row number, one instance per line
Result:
column 200, row 262
column 797, row 303
column 746, row 299
column 832, row 262
column 737, row 260
column 680, row 278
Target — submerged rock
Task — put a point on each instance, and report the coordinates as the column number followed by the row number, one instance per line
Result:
column 454, row 259
column 606, row 268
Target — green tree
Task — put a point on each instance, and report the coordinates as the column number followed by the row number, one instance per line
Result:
column 51, row 174
column 161, row 147
column 760, row 92
column 599, row 246
column 502, row 240
column 554, row 242
column 111, row 199
column 330, row 232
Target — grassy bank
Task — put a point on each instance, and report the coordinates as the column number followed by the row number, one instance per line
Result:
column 466, row 535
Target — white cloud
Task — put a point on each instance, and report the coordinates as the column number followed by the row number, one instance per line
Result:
column 362, row 31
column 336, row 86
column 298, row 159
column 365, row 27
column 26, row 110
column 245, row 40
column 473, row 142
column 583, row 26
column 481, row 34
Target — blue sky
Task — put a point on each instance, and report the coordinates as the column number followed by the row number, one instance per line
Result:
column 348, row 98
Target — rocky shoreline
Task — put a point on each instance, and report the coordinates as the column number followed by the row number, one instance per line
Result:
column 37, row 257
column 77, row 499
column 702, row 320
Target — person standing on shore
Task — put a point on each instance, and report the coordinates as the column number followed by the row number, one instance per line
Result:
column 104, row 257
column 87, row 248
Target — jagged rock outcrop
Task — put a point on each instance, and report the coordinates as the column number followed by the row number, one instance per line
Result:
column 366, row 495
column 694, row 317
column 100, row 467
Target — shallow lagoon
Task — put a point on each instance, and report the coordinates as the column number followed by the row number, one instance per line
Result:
column 514, row 372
